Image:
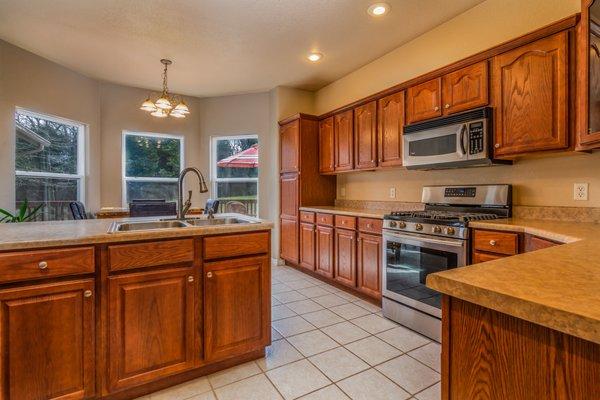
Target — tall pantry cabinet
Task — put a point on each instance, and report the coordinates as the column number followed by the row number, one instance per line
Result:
column 300, row 181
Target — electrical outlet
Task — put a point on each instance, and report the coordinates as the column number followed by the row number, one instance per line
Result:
column 343, row 191
column 580, row 191
column 392, row 193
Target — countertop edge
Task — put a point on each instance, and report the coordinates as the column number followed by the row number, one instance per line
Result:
column 539, row 232
column 345, row 211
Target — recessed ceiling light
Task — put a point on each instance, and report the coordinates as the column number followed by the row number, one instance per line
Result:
column 378, row 9
column 314, row 57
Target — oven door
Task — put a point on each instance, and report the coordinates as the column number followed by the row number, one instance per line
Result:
column 442, row 145
column 409, row 258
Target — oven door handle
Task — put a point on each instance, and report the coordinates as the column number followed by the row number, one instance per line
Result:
column 424, row 239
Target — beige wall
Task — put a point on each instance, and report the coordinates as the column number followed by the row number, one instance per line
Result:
column 547, row 181
column 36, row 84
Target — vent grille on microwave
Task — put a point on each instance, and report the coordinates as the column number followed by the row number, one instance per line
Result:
column 480, row 113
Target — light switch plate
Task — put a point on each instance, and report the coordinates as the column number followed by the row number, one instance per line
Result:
column 392, row 193
column 580, row 191
column 343, row 191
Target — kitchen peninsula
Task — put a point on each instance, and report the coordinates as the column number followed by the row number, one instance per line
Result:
column 98, row 315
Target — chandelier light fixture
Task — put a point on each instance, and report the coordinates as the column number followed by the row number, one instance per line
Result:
column 165, row 104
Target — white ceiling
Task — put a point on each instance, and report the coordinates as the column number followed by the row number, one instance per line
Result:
column 218, row 46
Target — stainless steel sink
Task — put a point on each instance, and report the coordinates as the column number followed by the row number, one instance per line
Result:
column 144, row 226
column 217, row 221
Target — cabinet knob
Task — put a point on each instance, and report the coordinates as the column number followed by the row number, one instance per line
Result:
column 191, row 278
column 436, row 108
column 497, row 145
column 492, row 242
column 447, row 106
column 43, row 265
column 87, row 293
column 209, row 274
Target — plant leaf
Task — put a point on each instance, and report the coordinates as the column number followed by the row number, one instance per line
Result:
column 22, row 210
column 33, row 212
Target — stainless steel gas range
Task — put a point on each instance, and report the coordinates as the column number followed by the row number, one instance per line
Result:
column 419, row 243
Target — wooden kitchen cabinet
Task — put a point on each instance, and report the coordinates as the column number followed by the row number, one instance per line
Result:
column 289, row 147
column 307, row 246
column 151, row 326
column 343, row 128
column 289, row 240
column 531, row 97
column 390, row 120
column 326, row 146
column 237, row 301
column 424, row 101
column 324, row 251
column 289, row 188
column 369, row 264
column 365, row 136
column 47, row 347
column 345, row 257
column 466, row 88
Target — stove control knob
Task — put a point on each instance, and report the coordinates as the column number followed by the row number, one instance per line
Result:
column 393, row 224
column 401, row 224
column 419, row 227
column 437, row 229
column 450, row 231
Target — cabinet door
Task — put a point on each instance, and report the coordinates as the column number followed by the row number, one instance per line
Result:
column 530, row 89
column 424, row 101
column 307, row 246
column 343, row 124
column 390, row 114
column 151, row 326
column 365, row 136
column 47, row 342
column 369, row 264
column 237, row 302
column 289, row 189
column 324, row 256
column 289, row 240
column 345, row 257
column 290, row 146
column 326, row 146
column 466, row 88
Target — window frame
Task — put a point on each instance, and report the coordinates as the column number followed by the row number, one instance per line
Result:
column 125, row 178
column 80, row 176
column 215, row 180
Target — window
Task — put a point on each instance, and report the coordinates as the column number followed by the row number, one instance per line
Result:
column 234, row 173
column 151, row 166
column 49, row 163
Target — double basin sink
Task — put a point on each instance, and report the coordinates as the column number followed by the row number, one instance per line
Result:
column 176, row 223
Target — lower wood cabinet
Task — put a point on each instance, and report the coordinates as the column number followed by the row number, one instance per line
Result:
column 151, row 326
column 289, row 240
column 324, row 254
column 237, row 304
column 47, row 348
column 307, row 246
column 369, row 264
column 345, row 257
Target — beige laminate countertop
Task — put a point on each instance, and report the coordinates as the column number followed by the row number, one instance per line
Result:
column 558, row 287
column 29, row 235
column 353, row 212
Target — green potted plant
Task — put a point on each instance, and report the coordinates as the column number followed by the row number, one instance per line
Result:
column 23, row 214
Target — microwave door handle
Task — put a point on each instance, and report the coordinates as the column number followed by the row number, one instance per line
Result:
column 463, row 131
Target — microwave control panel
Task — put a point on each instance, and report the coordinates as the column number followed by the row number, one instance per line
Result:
column 476, row 141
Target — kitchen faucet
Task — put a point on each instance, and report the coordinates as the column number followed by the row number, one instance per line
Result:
column 182, row 208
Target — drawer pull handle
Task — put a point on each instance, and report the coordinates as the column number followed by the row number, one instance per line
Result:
column 493, row 242
column 87, row 293
column 369, row 226
column 209, row 275
column 191, row 278
column 447, row 106
column 43, row 265
column 436, row 108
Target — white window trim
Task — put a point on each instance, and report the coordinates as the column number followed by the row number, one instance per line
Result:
column 213, row 166
column 125, row 178
column 81, row 143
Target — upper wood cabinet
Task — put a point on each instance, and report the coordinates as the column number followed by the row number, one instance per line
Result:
column 588, row 76
column 237, row 303
column 289, row 189
column 326, row 146
column 343, row 128
column 365, row 136
column 531, row 97
column 424, row 101
column 151, row 326
column 47, row 347
column 290, row 146
column 466, row 88
column 390, row 120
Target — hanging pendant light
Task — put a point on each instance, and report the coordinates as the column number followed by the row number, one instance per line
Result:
column 166, row 104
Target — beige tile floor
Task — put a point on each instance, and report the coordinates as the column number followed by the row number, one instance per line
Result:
column 327, row 345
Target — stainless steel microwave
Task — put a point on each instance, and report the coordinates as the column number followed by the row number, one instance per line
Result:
column 460, row 140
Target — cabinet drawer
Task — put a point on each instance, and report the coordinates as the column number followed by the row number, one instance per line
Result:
column 150, row 254
column 325, row 219
column 496, row 242
column 483, row 257
column 235, row 245
column 26, row 265
column 370, row 225
column 307, row 216
column 344, row 221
